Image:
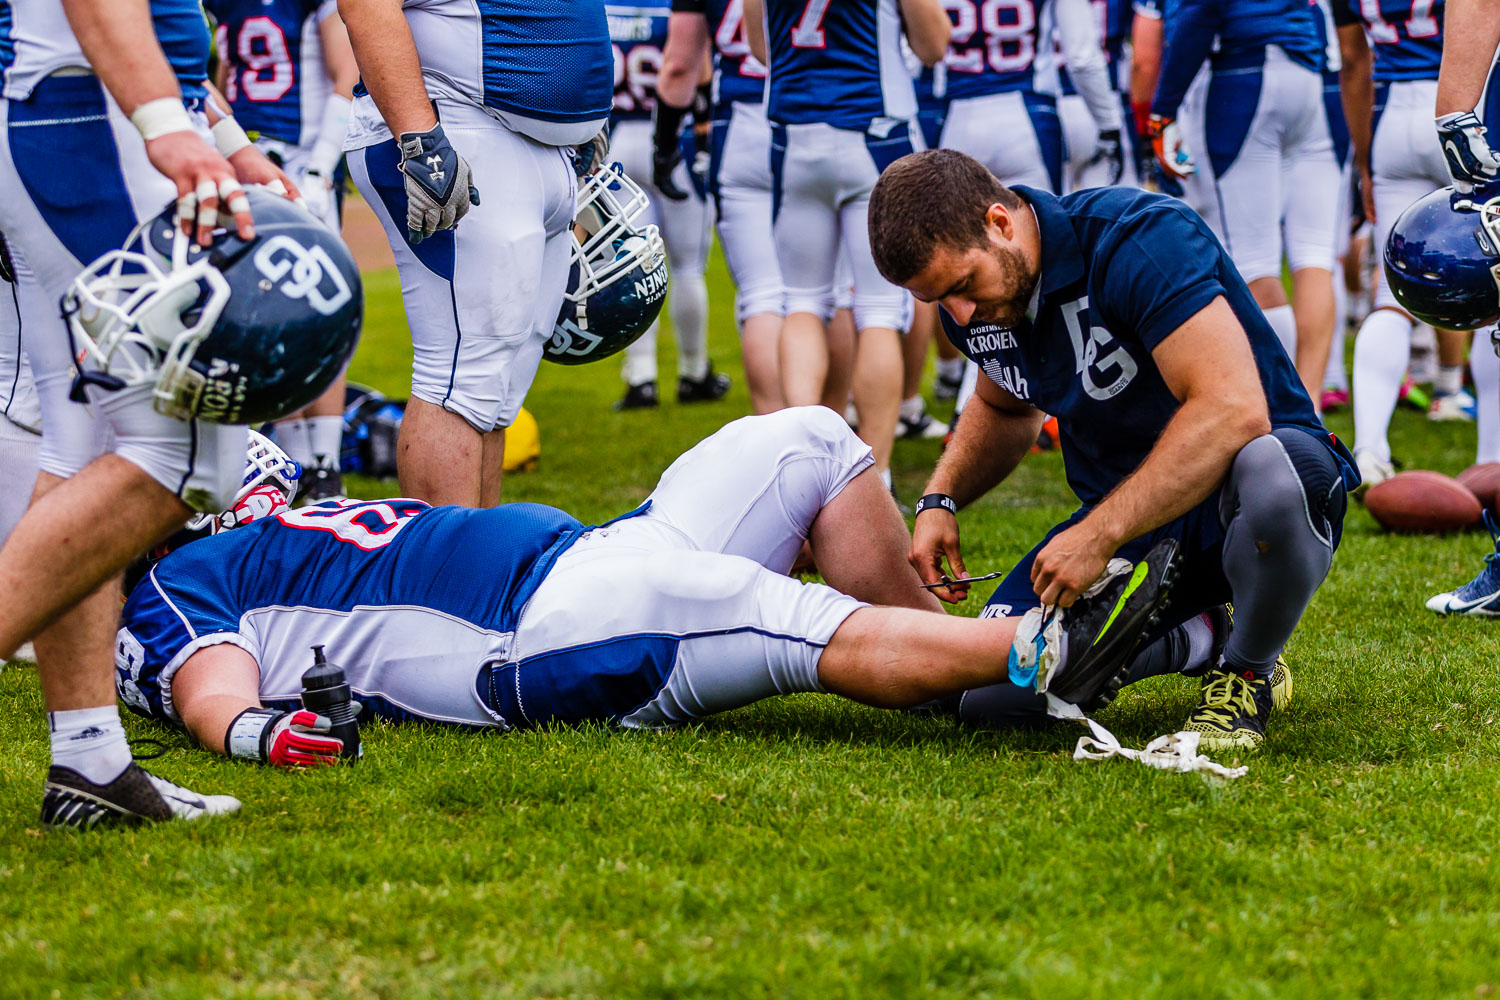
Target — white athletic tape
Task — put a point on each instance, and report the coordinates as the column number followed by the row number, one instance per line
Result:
column 1172, row 752
column 207, row 215
column 229, row 138
column 160, row 117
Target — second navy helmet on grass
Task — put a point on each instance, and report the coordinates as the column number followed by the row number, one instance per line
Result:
column 618, row 275
column 239, row 332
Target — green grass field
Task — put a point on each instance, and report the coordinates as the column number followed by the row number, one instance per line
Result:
column 813, row 848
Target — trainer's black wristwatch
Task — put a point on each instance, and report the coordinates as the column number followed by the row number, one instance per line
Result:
column 934, row 500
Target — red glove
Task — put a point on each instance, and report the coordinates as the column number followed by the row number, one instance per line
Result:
column 283, row 739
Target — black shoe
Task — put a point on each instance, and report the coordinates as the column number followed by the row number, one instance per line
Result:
column 945, row 388
column 922, row 427
column 1233, row 709
column 1102, row 630
column 319, row 483
column 72, row 802
column 713, row 385
column 638, row 397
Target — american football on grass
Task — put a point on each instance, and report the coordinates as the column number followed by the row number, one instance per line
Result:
column 1423, row 502
column 1484, row 481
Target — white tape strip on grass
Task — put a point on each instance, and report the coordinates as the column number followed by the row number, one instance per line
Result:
column 1172, row 752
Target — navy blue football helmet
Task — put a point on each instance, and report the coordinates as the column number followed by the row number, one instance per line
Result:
column 1442, row 260
column 618, row 279
column 240, row 332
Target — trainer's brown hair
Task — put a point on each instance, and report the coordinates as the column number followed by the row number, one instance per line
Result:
column 927, row 200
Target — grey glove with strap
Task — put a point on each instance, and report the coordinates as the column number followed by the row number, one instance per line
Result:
column 439, row 188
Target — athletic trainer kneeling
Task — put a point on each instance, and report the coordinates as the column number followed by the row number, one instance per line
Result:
column 1118, row 312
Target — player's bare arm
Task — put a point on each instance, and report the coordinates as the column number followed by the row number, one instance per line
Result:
column 687, row 49
column 1471, row 35
column 119, row 40
column 755, row 30
column 994, row 433
column 1357, row 91
column 1208, row 365
column 387, row 58
column 927, row 29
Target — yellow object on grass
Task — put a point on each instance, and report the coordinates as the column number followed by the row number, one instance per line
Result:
column 523, row 443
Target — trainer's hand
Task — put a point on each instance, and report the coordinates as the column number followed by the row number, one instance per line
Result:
column 439, row 188
column 1171, row 151
column 1069, row 564
column 934, row 539
column 205, row 181
column 301, row 739
column 252, row 166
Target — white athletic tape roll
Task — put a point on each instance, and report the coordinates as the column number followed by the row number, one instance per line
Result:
column 160, row 117
column 229, row 138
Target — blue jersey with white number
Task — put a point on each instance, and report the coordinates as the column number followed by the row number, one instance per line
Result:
column 1406, row 36
column 837, row 62
column 997, row 47
column 739, row 77
column 639, row 33
column 276, row 82
column 404, row 593
column 1122, row 269
column 1233, row 36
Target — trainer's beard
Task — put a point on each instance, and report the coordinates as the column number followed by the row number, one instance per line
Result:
column 1016, row 283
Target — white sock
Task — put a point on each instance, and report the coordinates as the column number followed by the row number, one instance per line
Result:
column 911, row 409
column 293, row 436
column 1382, row 351
column 1450, row 379
column 91, row 741
column 688, row 307
column 640, row 357
column 327, row 436
column 1334, row 377
column 1284, row 322
column 950, row 369
column 885, row 477
column 1200, row 637
column 1485, row 366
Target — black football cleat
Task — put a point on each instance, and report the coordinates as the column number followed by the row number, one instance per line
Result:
column 1102, row 630
column 319, row 483
column 72, row 802
column 638, row 397
column 713, row 385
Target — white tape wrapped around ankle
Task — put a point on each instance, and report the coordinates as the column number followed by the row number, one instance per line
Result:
column 229, row 138
column 160, row 117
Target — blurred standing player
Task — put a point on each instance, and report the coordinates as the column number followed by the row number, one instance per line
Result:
column 288, row 72
column 1268, row 152
column 842, row 107
column 639, row 32
column 739, row 172
column 1091, row 163
column 520, row 90
column 1389, row 112
column 115, row 90
column 20, row 414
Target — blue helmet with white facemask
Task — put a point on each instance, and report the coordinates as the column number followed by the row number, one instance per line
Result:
column 239, row 332
column 1442, row 260
column 617, row 281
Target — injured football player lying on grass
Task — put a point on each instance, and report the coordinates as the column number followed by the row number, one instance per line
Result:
column 519, row 616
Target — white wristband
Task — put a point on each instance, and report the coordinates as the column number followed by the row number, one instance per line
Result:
column 160, row 117
column 229, row 138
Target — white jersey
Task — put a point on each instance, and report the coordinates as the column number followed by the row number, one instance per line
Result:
column 545, row 68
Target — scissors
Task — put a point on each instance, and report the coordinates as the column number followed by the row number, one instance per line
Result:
column 945, row 582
